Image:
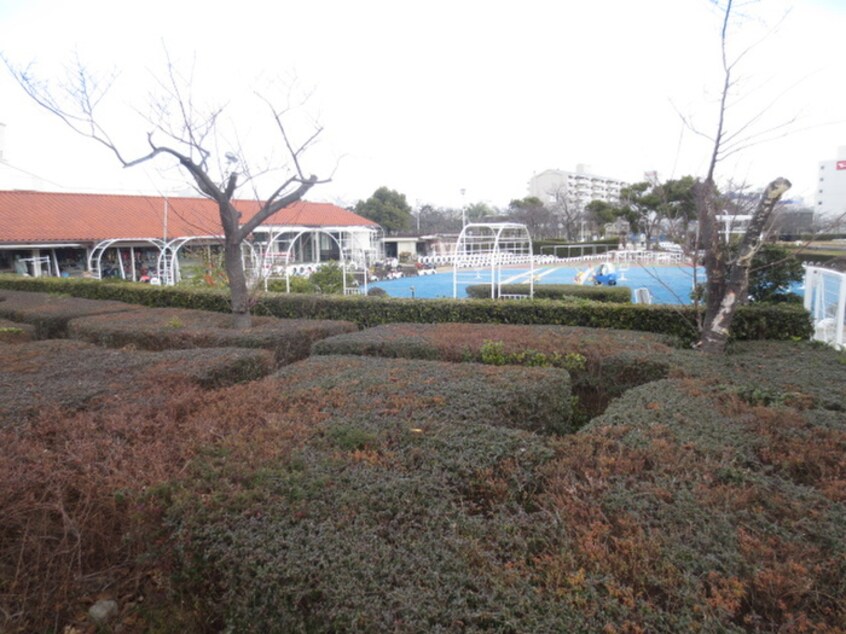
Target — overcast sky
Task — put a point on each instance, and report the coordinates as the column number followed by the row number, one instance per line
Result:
column 433, row 97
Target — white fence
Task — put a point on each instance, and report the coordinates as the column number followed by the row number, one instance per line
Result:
column 825, row 299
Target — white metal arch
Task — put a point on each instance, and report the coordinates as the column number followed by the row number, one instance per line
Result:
column 488, row 246
column 95, row 257
column 168, row 263
column 275, row 234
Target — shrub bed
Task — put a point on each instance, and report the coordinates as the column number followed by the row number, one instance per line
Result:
column 50, row 314
column 610, row 361
column 167, row 328
column 79, row 499
column 686, row 508
column 15, row 332
column 387, row 511
column 536, row 399
column 613, row 294
column 751, row 322
column 364, row 494
column 71, row 374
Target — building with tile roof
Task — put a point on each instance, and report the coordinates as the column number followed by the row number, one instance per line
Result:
column 75, row 234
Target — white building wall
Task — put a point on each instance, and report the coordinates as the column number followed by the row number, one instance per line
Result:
column 577, row 188
column 831, row 185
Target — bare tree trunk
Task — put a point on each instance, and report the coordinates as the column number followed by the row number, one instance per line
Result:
column 715, row 258
column 238, row 292
column 734, row 284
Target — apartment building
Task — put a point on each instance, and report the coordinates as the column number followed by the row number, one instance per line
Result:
column 831, row 185
column 575, row 189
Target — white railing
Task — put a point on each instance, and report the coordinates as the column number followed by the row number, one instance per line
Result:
column 825, row 299
column 643, row 257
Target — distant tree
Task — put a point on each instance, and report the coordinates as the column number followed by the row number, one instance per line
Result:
column 773, row 270
column 193, row 136
column 387, row 207
column 534, row 214
column 477, row 212
column 600, row 213
column 677, row 207
column 640, row 204
column 567, row 215
column 431, row 219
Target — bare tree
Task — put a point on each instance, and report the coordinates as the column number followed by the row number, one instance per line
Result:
column 727, row 273
column 191, row 135
column 567, row 213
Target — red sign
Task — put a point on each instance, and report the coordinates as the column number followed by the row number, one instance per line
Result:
column 841, row 165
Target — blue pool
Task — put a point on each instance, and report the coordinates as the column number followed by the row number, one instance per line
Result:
column 667, row 284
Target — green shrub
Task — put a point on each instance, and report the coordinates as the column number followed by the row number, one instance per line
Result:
column 387, row 511
column 50, row 314
column 329, row 279
column 298, row 284
column 613, row 294
column 708, row 494
column 14, row 332
column 751, row 322
column 493, row 353
column 607, row 244
column 172, row 328
column 74, row 375
column 602, row 363
column 773, row 270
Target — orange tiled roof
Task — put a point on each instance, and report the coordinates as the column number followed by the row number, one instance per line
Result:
column 33, row 217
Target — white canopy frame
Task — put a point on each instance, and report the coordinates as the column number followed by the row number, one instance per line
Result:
column 95, row 256
column 487, row 247
column 351, row 255
column 168, row 263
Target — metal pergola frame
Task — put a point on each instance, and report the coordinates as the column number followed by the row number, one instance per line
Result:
column 95, row 257
column 345, row 252
column 488, row 246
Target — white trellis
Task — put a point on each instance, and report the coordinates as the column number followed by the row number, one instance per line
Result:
column 170, row 273
column 95, row 256
column 483, row 249
column 284, row 252
column 825, row 299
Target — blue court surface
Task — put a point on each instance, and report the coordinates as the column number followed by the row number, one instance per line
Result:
column 667, row 284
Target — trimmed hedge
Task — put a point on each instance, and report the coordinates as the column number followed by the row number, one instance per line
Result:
column 751, row 322
column 608, row 360
column 613, row 294
column 683, row 508
column 50, row 314
column 535, row 399
column 173, row 328
column 73, row 375
column 704, row 511
column 15, row 332
column 386, row 510
column 608, row 244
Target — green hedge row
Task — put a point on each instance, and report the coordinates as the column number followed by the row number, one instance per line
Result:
column 607, row 243
column 603, row 359
column 612, row 294
column 73, row 375
column 177, row 328
column 751, row 322
column 50, row 314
